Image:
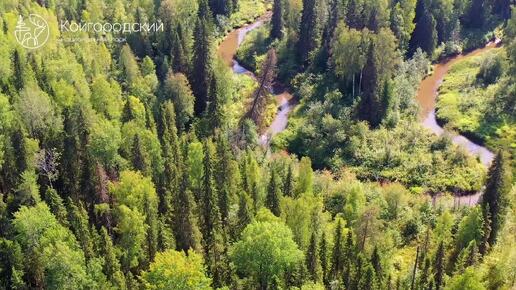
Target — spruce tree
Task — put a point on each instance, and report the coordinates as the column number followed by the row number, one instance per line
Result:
column 221, row 7
column 71, row 163
column 210, row 218
column 138, row 156
column 328, row 33
column 111, row 267
column 308, row 30
column 202, row 62
column 151, row 219
column 377, row 264
column 265, row 82
column 272, row 200
column 368, row 282
column 127, row 112
column 19, row 71
column 19, row 145
column 277, row 20
column 312, row 259
column 358, row 278
column 476, row 13
column 224, row 183
column 179, row 50
column 337, row 258
column 11, row 265
column 439, row 267
column 349, row 259
column 14, row 158
column 215, row 111
column 86, row 182
column 81, row 227
column 171, row 156
column 370, row 105
column 56, row 205
column 495, row 198
column 373, row 22
column 184, row 224
column 354, row 17
column 8, row 174
column 323, row 257
column 502, row 8
column 424, row 35
column 288, row 184
column 424, row 277
column 224, row 173
column 244, row 213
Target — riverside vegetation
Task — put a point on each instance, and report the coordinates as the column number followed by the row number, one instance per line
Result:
column 139, row 165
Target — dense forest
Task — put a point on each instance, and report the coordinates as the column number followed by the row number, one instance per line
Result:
column 144, row 161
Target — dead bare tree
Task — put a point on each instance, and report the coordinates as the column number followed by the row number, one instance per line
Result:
column 265, row 81
column 47, row 161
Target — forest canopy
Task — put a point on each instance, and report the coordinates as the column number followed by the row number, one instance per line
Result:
column 297, row 159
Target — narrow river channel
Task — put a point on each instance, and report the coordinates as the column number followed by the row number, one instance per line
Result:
column 227, row 50
column 426, row 98
column 427, row 95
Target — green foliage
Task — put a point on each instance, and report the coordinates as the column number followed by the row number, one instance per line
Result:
column 177, row 89
column 277, row 20
column 266, row 249
column 176, row 270
column 491, row 69
column 468, row 280
column 425, row 34
column 106, row 97
column 349, row 211
column 56, row 260
column 305, row 177
column 131, row 230
column 495, row 200
column 136, row 212
column 256, row 44
column 471, row 228
column 38, row 113
column 105, row 142
column 309, row 30
column 202, row 62
column 479, row 111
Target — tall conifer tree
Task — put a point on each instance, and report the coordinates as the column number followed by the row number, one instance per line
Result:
column 277, row 20
column 495, row 198
column 272, row 200
column 424, row 35
column 203, row 58
column 308, row 30
column 312, row 258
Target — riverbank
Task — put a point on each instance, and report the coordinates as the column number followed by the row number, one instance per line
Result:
column 284, row 100
column 465, row 179
column 471, row 98
column 427, row 98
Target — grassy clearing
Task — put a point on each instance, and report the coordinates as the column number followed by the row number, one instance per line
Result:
column 467, row 105
column 244, row 87
column 248, row 10
column 253, row 50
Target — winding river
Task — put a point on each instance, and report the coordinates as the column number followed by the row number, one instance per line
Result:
column 227, row 50
column 426, row 97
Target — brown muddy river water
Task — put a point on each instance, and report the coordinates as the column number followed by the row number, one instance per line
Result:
column 227, row 50
column 427, row 95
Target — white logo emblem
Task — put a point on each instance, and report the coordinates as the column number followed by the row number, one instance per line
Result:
column 33, row 34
